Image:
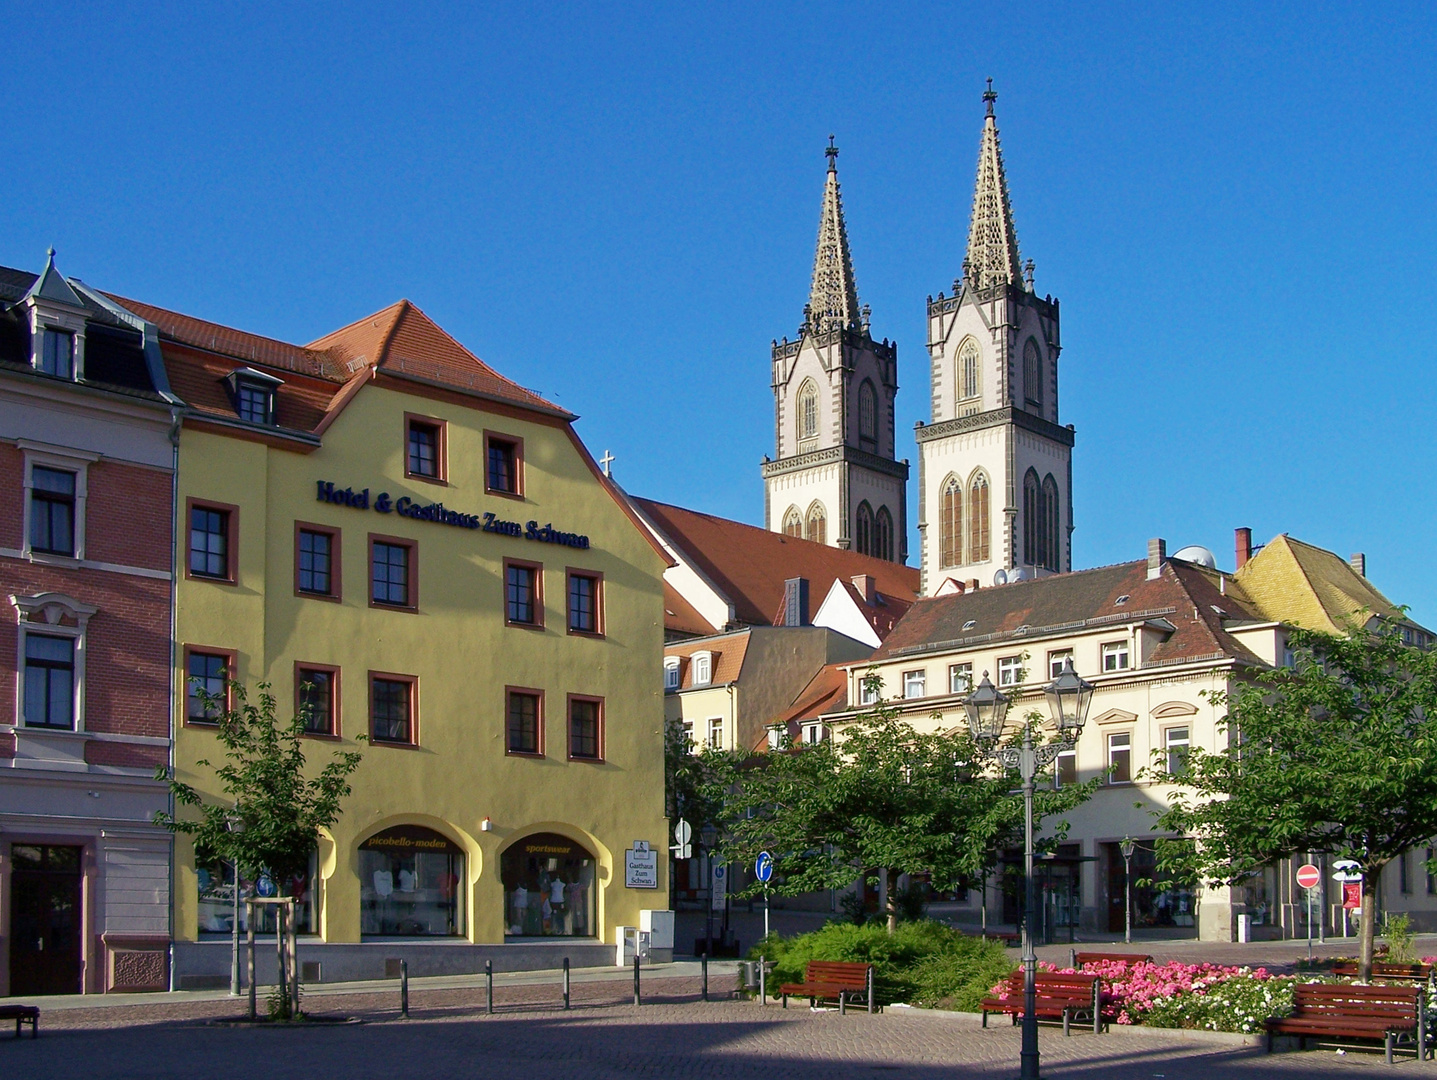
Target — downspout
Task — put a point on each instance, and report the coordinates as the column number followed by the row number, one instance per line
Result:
column 175, row 420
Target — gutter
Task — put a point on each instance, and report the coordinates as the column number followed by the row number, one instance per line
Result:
column 176, row 420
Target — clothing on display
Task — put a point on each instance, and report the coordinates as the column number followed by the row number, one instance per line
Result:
column 427, row 869
column 214, row 881
column 547, row 887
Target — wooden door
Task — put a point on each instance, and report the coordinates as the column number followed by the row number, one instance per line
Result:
column 45, row 920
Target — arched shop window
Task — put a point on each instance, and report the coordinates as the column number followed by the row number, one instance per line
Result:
column 214, row 879
column 548, row 887
column 411, row 884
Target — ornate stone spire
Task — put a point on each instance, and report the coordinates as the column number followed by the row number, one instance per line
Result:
column 833, row 299
column 992, row 241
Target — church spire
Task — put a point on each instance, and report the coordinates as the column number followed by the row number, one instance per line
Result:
column 992, row 241
column 833, row 299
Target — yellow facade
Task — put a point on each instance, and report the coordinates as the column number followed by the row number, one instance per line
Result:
column 456, row 644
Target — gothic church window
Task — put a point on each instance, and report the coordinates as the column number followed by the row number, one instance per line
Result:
column 807, row 412
column 970, row 384
column 793, row 523
column 950, row 524
column 817, row 524
column 883, row 534
column 1040, row 521
column 863, row 529
column 867, row 417
column 1050, row 522
column 979, row 548
column 1033, row 375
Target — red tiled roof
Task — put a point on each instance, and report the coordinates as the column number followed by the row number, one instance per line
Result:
column 827, row 691
column 728, row 654
column 750, row 564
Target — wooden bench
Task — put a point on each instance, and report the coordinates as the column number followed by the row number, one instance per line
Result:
column 22, row 1014
column 828, row 980
column 1082, row 958
column 1394, row 1014
column 1057, row 997
column 1385, row 970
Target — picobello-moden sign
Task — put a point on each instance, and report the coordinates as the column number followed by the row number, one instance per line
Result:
column 440, row 514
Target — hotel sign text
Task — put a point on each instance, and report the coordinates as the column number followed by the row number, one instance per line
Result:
column 437, row 512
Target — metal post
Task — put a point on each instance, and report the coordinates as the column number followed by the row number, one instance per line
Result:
column 234, row 934
column 404, row 989
column 1127, row 899
column 704, row 967
column 1028, row 1056
column 1322, row 903
column 765, row 912
column 249, row 943
column 566, row 982
column 1309, row 925
column 762, row 981
column 638, row 1000
column 291, row 918
column 280, row 981
column 709, row 915
column 489, row 985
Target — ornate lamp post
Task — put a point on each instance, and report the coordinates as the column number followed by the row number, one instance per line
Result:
column 1068, row 698
column 1126, row 846
column 235, row 824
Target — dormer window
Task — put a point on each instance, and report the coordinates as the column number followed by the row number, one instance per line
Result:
column 253, row 392
column 671, row 674
column 702, row 668
column 56, row 315
column 57, row 353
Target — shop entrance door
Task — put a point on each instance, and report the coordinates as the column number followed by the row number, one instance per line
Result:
column 44, row 920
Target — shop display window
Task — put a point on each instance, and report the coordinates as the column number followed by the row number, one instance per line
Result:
column 548, row 888
column 411, row 884
column 215, row 882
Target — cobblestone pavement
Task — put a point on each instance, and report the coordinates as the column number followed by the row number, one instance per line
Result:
column 673, row 1035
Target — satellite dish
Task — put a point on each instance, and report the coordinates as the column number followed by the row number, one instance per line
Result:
column 1000, row 577
column 1196, row 553
column 1017, row 574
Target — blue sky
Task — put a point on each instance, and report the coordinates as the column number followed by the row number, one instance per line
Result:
column 617, row 205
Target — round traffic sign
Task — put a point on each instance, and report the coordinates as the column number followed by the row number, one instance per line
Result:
column 1308, row 876
column 683, row 832
column 763, row 867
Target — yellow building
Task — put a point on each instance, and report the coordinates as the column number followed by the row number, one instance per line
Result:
column 407, row 546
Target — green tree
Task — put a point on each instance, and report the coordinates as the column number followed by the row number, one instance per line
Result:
column 882, row 799
column 1336, row 754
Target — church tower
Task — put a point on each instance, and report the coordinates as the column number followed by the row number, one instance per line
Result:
column 834, row 478
column 995, row 476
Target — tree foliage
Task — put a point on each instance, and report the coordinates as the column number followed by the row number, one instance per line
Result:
column 1335, row 754
column 883, row 798
column 280, row 808
column 695, row 781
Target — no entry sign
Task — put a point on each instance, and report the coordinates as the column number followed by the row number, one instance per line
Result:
column 1308, row 876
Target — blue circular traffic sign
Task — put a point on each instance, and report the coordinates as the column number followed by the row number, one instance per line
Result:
column 763, row 867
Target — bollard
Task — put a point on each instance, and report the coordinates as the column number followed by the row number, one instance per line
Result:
column 638, row 1000
column 1073, row 959
column 763, row 982
column 489, row 983
column 249, row 946
column 404, row 989
column 566, row 982
column 704, row 967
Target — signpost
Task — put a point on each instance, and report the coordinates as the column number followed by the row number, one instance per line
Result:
column 1349, row 873
column 1309, row 877
column 683, row 835
column 763, row 870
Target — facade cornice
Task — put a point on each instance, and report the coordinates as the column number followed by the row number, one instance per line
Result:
column 857, row 339
column 946, row 305
column 834, row 455
column 1008, row 414
column 85, row 395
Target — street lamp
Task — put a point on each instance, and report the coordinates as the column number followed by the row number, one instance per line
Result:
column 708, row 838
column 1126, row 846
column 1068, row 699
column 235, row 824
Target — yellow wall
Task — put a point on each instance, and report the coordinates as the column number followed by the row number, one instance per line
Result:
column 457, row 645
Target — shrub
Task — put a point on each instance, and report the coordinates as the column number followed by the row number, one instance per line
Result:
column 1238, row 1004
column 1397, row 929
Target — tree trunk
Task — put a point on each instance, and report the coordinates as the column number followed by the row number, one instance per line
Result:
column 1369, row 922
column 891, row 876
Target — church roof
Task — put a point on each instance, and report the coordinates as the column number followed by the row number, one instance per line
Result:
column 833, row 296
column 1302, row 585
column 992, row 257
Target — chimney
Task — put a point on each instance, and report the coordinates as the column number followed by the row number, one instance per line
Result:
column 1157, row 552
column 1358, row 562
column 867, row 587
column 971, row 584
column 1242, row 539
column 795, row 602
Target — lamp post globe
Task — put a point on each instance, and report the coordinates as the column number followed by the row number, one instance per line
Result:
column 1069, row 696
column 987, row 710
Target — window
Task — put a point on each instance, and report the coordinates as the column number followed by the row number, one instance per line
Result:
column 57, row 353
column 950, row 524
column 817, row 524
column 978, row 544
column 870, row 689
column 586, row 595
column 812, row 733
column 586, row 727
column 391, row 709
column 1056, row 659
column 671, row 674
column 504, row 460
column 550, row 884
column 392, row 573
column 411, row 884
column 1176, row 741
column 1404, row 873
column 1120, row 758
column 702, row 668
column 775, row 736
column 883, row 534
column 960, row 678
column 863, row 529
column 807, row 413
column 1065, row 770
column 915, row 684
column 716, row 733
column 1431, row 880
column 49, row 681
column 317, row 698
column 254, row 403
column 52, row 511
column 1033, row 375
column 1053, row 540
column 207, row 694
column 212, row 541
column 1115, row 656
column 688, row 736
column 1010, row 670
column 867, row 417
column 424, row 450
column 316, row 561
column 1033, row 549
column 793, row 523
column 525, row 709
column 969, row 383
column 523, row 602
